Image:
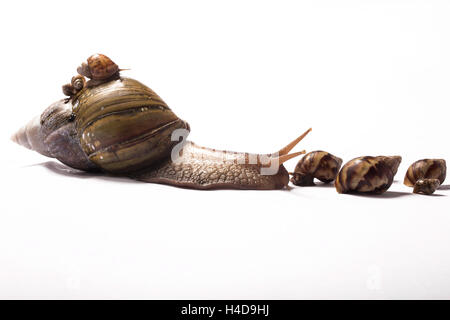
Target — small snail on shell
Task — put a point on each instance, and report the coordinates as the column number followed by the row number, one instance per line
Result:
column 316, row 164
column 367, row 174
column 72, row 89
column 120, row 126
column 99, row 68
column 426, row 186
column 426, row 169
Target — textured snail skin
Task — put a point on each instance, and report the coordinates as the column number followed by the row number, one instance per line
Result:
column 426, row 186
column 204, row 168
column 316, row 164
column 58, row 134
column 367, row 174
column 426, row 169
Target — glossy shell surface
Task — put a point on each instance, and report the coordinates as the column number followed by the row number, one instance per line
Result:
column 367, row 174
column 124, row 125
column 320, row 165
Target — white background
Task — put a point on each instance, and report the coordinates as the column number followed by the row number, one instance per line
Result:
column 370, row 78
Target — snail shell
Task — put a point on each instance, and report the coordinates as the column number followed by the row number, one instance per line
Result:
column 426, row 169
column 98, row 67
column 426, row 186
column 71, row 89
column 367, row 174
column 124, row 126
column 78, row 82
column 316, row 164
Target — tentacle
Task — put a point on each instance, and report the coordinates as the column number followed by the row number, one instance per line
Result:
column 282, row 159
column 292, row 144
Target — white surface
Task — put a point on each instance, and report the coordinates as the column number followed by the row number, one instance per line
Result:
column 370, row 77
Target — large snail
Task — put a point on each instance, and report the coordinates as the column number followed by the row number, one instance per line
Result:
column 118, row 125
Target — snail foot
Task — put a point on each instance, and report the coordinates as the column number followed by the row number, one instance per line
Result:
column 426, row 186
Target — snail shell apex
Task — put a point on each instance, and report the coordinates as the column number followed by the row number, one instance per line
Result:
column 123, row 125
column 426, row 169
column 367, row 174
column 316, row 164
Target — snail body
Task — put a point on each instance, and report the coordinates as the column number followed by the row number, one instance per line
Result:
column 367, row 174
column 120, row 126
column 426, row 186
column 316, row 164
column 425, row 169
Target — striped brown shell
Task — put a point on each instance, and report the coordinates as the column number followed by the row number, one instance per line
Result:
column 426, row 169
column 367, row 174
column 124, row 126
column 316, row 164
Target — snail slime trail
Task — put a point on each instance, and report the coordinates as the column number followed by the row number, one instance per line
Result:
column 117, row 125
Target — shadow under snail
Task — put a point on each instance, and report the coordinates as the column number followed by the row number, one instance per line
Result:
column 118, row 125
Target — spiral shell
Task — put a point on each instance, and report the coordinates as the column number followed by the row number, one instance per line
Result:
column 316, row 164
column 76, row 85
column 124, row 126
column 98, row 67
column 78, row 82
column 426, row 169
column 367, row 174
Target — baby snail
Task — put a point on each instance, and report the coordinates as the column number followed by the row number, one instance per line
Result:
column 426, row 186
column 316, row 164
column 367, row 174
column 426, row 169
column 99, row 68
column 73, row 88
